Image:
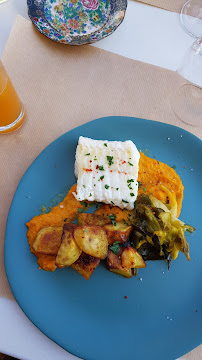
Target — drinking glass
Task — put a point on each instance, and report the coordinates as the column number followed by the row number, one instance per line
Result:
column 12, row 112
column 186, row 102
column 191, row 17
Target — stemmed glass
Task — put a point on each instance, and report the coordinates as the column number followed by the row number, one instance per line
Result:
column 186, row 102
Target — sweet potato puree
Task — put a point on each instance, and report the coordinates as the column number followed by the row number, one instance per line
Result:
column 152, row 175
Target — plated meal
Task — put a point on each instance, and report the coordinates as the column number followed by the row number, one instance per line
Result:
column 136, row 202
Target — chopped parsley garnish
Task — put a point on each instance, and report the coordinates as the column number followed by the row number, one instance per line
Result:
column 65, row 219
column 90, row 195
column 157, row 161
column 130, row 164
column 174, row 166
column 117, row 188
column 87, row 154
column 105, row 144
column 84, row 186
column 101, row 168
column 139, row 183
column 94, row 184
column 106, row 186
column 102, row 177
column 85, row 230
column 124, row 221
column 144, row 189
column 110, row 160
column 80, row 210
column 115, row 248
column 130, row 180
column 124, row 201
column 112, row 202
column 83, row 203
column 112, row 217
column 131, row 194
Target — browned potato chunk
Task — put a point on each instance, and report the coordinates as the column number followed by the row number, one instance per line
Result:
column 69, row 251
column 120, row 232
column 48, row 240
column 92, row 219
column 114, row 265
column 130, row 258
column 92, row 240
column 85, row 265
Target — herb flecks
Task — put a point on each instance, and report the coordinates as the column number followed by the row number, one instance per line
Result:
column 87, row 154
column 101, row 168
column 102, row 177
column 112, row 217
column 115, row 248
column 130, row 164
column 107, row 187
column 110, row 160
column 124, row 201
column 105, row 144
column 131, row 194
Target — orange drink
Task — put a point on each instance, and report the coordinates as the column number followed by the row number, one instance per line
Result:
column 12, row 111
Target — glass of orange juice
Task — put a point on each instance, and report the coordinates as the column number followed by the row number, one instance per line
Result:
column 12, row 112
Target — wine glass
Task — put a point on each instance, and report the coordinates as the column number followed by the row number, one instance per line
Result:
column 186, row 102
column 191, row 17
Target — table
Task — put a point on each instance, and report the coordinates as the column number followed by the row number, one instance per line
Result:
column 147, row 34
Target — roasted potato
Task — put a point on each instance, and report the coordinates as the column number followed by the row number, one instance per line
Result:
column 120, row 232
column 130, row 258
column 114, row 265
column 92, row 240
column 85, row 265
column 48, row 240
column 69, row 251
column 92, row 219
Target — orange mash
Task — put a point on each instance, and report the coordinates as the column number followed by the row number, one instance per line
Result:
column 152, row 175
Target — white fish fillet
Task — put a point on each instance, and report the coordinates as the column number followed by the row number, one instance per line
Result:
column 107, row 172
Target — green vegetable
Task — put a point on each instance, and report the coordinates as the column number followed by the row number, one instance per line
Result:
column 101, row 168
column 112, row 217
column 157, row 233
column 115, row 247
column 107, row 187
column 110, row 160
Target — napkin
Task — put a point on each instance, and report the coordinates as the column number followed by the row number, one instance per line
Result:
column 63, row 87
column 171, row 5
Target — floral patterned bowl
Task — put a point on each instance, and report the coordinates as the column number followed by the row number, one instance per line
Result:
column 76, row 22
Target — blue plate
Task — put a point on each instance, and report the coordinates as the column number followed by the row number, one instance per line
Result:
column 161, row 318
column 76, row 22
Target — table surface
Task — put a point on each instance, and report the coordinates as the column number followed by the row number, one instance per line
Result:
column 148, row 34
